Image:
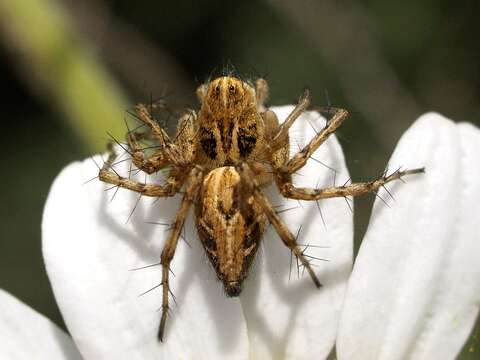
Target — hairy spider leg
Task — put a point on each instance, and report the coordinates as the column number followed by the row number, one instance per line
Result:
column 151, row 164
column 191, row 193
column 173, row 183
column 261, row 92
column 281, row 228
column 283, row 173
column 172, row 151
column 290, row 191
column 300, row 158
column 282, row 134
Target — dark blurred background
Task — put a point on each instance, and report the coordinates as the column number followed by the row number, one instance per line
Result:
column 70, row 69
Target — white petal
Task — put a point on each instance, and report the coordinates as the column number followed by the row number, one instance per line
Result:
column 415, row 289
column 292, row 319
column 26, row 334
column 89, row 249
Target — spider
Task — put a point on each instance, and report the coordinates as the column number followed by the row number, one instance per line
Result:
column 222, row 156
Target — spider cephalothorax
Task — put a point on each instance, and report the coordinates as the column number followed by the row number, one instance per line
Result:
column 221, row 157
column 230, row 127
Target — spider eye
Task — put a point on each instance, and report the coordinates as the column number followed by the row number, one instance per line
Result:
column 217, row 89
column 232, row 89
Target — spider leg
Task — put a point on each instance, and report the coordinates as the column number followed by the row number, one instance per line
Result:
column 151, row 164
column 280, row 137
column 194, row 180
column 109, row 175
column 202, row 92
column 290, row 191
column 186, row 135
column 262, row 92
column 282, row 230
column 262, row 173
column 159, row 159
column 301, row 157
column 146, row 117
column 172, row 151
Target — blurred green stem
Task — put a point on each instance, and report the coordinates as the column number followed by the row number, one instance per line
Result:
column 56, row 62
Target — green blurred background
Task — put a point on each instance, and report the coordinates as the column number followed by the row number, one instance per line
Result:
column 71, row 68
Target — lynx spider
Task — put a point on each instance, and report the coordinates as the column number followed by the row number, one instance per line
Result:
column 222, row 156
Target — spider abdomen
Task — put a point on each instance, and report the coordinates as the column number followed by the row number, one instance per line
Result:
column 230, row 225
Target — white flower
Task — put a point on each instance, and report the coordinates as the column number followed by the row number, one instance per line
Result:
column 414, row 290
column 25, row 334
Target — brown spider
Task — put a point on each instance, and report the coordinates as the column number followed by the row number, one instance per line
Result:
column 222, row 156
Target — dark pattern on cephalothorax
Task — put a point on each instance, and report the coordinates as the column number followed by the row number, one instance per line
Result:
column 208, row 143
column 246, row 142
column 226, row 133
